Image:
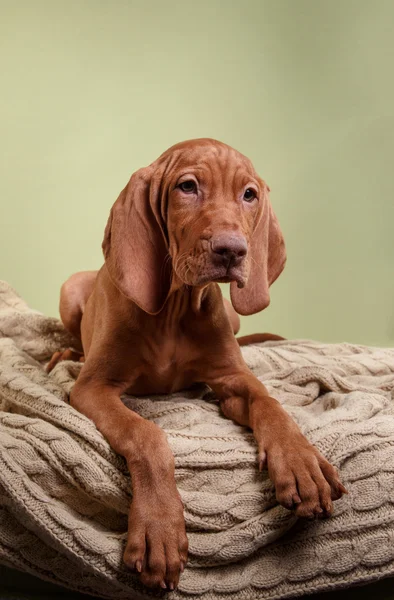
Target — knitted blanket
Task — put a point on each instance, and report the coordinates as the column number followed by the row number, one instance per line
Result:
column 64, row 493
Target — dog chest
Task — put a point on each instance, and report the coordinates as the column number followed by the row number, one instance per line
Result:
column 165, row 367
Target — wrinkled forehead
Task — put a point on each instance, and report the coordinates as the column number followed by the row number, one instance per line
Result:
column 208, row 157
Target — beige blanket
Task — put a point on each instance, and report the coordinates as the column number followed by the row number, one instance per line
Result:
column 64, row 494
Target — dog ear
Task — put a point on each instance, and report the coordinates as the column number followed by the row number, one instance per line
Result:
column 135, row 246
column 267, row 258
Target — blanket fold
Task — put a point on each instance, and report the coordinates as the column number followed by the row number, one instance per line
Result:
column 64, row 493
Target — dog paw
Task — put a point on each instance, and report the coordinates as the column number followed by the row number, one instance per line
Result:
column 304, row 480
column 64, row 355
column 157, row 545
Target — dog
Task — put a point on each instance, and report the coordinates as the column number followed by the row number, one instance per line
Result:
column 153, row 320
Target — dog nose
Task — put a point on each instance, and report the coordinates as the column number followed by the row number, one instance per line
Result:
column 229, row 249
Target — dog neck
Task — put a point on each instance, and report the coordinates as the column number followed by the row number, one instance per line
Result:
column 182, row 297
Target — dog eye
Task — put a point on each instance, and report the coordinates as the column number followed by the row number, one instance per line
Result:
column 249, row 195
column 188, row 186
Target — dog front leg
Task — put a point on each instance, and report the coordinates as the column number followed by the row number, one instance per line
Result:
column 304, row 480
column 157, row 544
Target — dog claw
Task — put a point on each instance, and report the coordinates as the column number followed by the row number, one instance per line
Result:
column 262, row 461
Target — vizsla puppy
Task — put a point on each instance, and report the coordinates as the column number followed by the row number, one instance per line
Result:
column 153, row 320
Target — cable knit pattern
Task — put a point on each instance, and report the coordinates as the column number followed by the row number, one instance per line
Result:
column 64, row 493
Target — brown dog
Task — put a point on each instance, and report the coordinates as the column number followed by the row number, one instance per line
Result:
column 153, row 320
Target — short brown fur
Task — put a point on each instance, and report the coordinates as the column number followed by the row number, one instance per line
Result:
column 153, row 320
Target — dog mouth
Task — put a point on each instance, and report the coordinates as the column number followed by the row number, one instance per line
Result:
column 233, row 274
column 222, row 275
column 201, row 272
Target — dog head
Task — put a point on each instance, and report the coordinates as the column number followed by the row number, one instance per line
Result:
column 198, row 214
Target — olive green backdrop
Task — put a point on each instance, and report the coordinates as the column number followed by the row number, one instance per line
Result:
column 91, row 90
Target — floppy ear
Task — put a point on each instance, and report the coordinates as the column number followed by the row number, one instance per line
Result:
column 135, row 246
column 267, row 261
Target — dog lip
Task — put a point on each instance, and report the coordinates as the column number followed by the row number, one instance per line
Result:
column 222, row 275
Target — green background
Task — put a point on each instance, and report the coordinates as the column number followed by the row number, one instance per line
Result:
column 92, row 90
